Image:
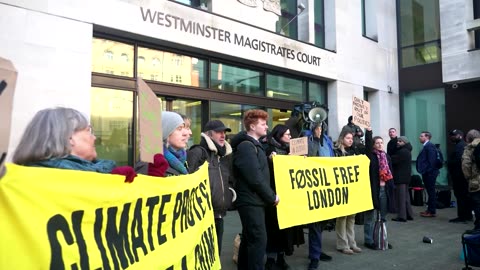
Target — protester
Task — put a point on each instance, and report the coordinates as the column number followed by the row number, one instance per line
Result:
column 402, row 174
column 63, row 138
column 392, row 144
column 471, row 171
column 381, row 179
column 250, row 169
column 214, row 149
column 344, row 226
column 358, row 133
column 459, row 183
column 426, row 167
column 279, row 242
column 319, row 145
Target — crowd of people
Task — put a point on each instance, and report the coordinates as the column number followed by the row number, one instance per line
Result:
column 241, row 174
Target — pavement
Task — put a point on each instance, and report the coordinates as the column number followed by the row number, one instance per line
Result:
column 408, row 253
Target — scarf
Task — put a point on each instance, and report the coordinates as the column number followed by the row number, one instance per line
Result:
column 383, row 168
column 280, row 147
column 176, row 159
column 75, row 163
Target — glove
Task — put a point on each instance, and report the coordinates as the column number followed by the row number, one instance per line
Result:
column 158, row 167
column 128, row 171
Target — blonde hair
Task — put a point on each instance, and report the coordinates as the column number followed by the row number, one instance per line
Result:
column 339, row 143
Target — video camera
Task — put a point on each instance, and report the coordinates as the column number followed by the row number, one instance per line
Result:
column 305, row 117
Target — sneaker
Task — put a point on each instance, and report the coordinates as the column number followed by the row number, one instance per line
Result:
column 270, row 264
column 324, row 257
column 313, row 265
column 356, row 249
column 346, row 251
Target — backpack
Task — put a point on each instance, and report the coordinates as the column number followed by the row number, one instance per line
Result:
column 439, row 160
column 476, row 155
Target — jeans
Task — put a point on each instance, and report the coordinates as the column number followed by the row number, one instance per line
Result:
column 314, row 240
column 371, row 217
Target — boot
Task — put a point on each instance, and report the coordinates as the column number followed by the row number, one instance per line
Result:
column 281, row 263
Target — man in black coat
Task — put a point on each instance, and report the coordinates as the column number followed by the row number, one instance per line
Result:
column 250, row 169
column 459, row 183
column 402, row 173
column 392, row 144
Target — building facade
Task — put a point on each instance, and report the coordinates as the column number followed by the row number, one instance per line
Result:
column 205, row 59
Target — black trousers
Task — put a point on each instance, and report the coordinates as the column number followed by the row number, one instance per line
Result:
column 254, row 238
column 460, row 190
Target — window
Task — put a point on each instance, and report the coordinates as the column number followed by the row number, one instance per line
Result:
column 425, row 111
column 285, row 88
column 319, row 26
column 104, row 60
column 112, row 118
column 194, row 3
column 288, row 23
column 230, row 114
column 166, row 66
column 476, row 16
column 419, row 32
column 236, row 79
column 369, row 19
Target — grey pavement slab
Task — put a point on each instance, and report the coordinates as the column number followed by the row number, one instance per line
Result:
column 408, row 253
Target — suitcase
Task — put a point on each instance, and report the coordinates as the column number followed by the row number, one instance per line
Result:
column 471, row 249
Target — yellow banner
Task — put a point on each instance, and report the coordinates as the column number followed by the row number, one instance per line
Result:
column 65, row 219
column 320, row 188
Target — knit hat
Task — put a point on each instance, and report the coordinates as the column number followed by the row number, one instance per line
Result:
column 170, row 121
column 403, row 139
column 456, row 132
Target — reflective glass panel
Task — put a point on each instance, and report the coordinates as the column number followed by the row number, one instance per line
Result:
column 369, row 19
column 317, row 92
column 277, row 117
column 230, row 114
column 112, row 57
column 111, row 119
column 285, row 88
column 319, row 23
column 235, row 79
column 193, row 110
column 419, row 32
column 170, row 67
column 425, row 111
column 288, row 23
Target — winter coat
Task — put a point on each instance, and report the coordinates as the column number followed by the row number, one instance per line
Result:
column 375, row 174
column 469, row 168
column 250, row 169
column 219, row 168
column 392, row 146
column 454, row 162
column 402, row 164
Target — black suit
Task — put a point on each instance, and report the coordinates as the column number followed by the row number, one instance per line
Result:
column 426, row 167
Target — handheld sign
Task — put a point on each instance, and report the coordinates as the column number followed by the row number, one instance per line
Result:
column 8, row 78
column 150, row 124
column 299, row 146
column 361, row 112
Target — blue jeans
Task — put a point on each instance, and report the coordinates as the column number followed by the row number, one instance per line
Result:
column 371, row 217
column 314, row 240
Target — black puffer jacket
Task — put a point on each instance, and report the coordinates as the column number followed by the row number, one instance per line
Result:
column 219, row 168
column 250, row 169
column 402, row 164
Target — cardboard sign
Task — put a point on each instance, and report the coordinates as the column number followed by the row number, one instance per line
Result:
column 361, row 112
column 150, row 124
column 8, row 79
column 299, row 146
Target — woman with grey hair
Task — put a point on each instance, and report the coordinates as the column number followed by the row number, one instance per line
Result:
column 63, row 138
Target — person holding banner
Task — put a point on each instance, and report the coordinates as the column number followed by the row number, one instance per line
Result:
column 250, row 169
column 319, row 145
column 381, row 183
column 214, row 149
column 63, row 138
column 279, row 242
column 345, row 226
